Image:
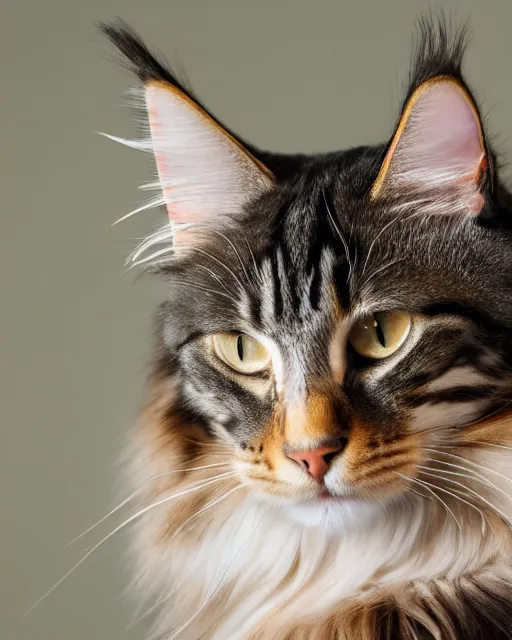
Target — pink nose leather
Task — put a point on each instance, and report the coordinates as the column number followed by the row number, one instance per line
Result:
column 315, row 462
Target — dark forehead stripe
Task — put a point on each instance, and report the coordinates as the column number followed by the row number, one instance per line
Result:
column 319, row 241
column 306, row 226
column 331, row 219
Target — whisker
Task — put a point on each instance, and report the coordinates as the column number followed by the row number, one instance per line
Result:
column 472, row 475
column 210, row 598
column 455, row 429
column 149, row 186
column 453, row 493
column 163, row 234
column 341, row 236
column 475, row 476
column 383, row 268
column 131, row 519
column 410, row 629
column 419, row 494
column 428, row 487
column 470, row 462
column 147, row 612
column 139, row 145
column 375, row 240
column 251, row 253
column 218, row 233
column 152, row 256
column 137, row 492
column 485, row 520
column 217, row 278
column 205, row 508
column 466, row 488
column 145, row 207
column 495, row 411
column 186, row 283
column 206, row 443
column 199, row 250
column 163, row 599
column 430, row 430
column 490, row 444
column 400, row 217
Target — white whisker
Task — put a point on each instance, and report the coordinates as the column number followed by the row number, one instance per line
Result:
column 164, row 234
column 466, row 488
column 428, row 487
column 212, row 595
column 470, row 462
column 138, row 491
column 166, row 597
column 398, row 218
column 491, row 444
column 155, row 254
column 255, row 264
column 139, row 145
column 213, row 291
column 375, row 240
column 222, row 235
column 475, row 476
column 131, row 519
column 485, row 520
column 383, row 268
column 199, row 250
column 341, row 236
column 453, row 493
column 216, row 277
column 148, row 186
column 145, row 207
column 205, row 508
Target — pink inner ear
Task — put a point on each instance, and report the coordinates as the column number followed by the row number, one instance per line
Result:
column 205, row 175
column 448, row 128
column 441, row 145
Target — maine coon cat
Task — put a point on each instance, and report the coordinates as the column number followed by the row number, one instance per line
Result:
column 325, row 452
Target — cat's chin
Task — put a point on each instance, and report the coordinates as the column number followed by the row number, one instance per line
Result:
column 334, row 514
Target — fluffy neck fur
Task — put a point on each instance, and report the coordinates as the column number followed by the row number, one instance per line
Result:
column 427, row 560
column 219, row 562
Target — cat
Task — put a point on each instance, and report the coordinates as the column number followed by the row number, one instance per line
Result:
column 326, row 452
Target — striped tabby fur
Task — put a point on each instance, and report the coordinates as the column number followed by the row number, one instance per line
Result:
column 409, row 535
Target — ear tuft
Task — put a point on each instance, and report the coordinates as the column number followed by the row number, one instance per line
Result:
column 439, row 50
column 205, row 173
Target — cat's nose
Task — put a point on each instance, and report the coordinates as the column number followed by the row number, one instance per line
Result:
column 317, row 461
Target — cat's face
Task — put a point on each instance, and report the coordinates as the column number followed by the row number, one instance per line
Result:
column 333, row 319
column 327, row 373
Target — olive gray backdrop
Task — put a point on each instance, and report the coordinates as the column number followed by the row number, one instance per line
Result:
column 75, row 326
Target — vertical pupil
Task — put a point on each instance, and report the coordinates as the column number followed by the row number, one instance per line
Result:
column 240, row 347
column 379, row 331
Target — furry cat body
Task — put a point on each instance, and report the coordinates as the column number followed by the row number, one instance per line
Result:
column 406, row 532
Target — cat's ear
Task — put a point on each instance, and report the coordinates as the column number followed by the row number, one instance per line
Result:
column 438, row 152
column 206, row 174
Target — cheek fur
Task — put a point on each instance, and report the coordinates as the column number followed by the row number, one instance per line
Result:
column 265, row 562
column 417, row 540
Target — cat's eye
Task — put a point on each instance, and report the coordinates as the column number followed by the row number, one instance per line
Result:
column 379, row 335
column 241, row 352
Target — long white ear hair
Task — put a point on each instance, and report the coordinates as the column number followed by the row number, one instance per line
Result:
column 206, row 175
column 438, row 150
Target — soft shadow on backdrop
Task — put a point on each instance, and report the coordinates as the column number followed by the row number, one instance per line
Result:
column 75, row 327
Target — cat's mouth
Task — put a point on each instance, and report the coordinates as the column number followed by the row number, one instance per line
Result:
column 326, row 496
column 336, row 486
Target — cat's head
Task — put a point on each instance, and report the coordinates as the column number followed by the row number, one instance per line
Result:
column 334, row 320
